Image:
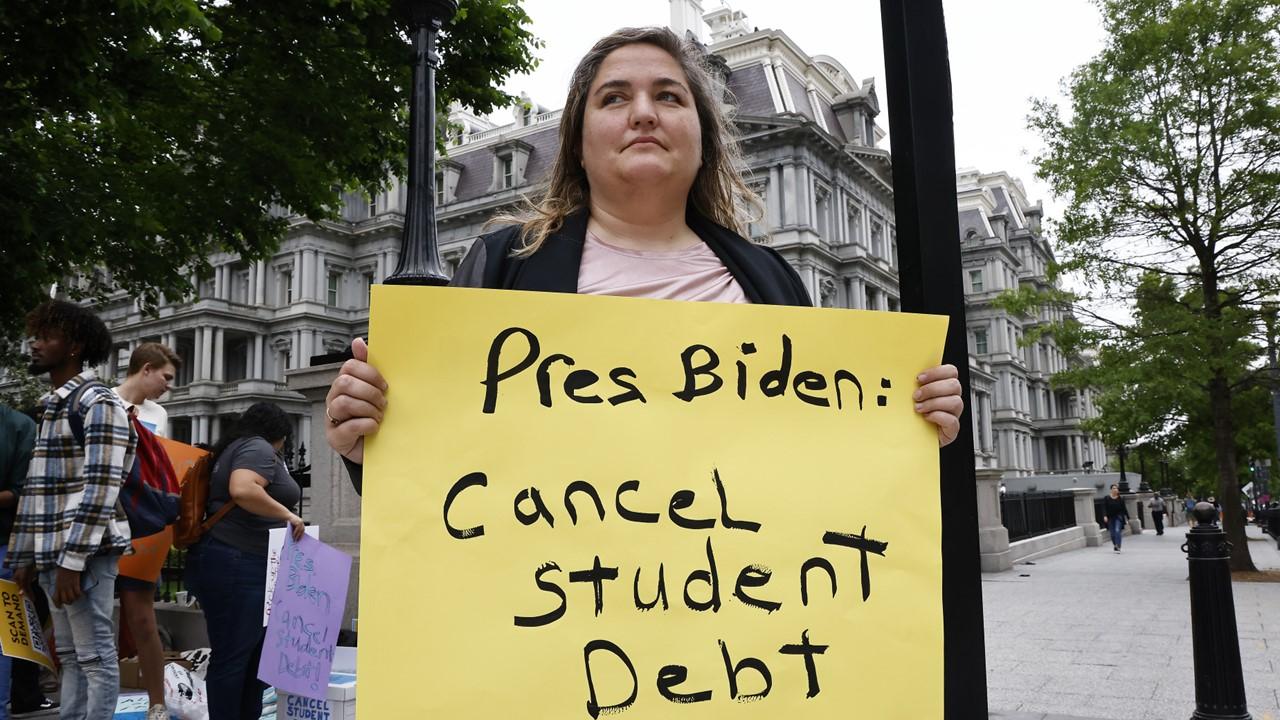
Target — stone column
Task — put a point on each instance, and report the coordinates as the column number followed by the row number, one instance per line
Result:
column 1086, row 516
column 335, row 506
column 256, row 370
column 206, row 354
column 1131, row 504
column 309, row 274
column 993, row 538
column 218, row 375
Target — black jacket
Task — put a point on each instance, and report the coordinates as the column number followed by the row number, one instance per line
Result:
column 765, row 278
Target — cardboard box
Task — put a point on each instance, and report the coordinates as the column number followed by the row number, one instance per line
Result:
column 339, row 704
column 131, row 672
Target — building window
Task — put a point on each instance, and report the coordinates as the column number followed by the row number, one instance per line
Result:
column 440, row 188
column 372, row 201
column 506, row 167
column 871, row 298
column 822, row 208
column 854, row 216
column 980, row 342
column 877, row 238
column 286, row 286
column 335, row 277
column 368, row 287
column 975, row 281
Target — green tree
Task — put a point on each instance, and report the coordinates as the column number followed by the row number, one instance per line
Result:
column 1151, row 386
column 141, row 136
column 1169, row 158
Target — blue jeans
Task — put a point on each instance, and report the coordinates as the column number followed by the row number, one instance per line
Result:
column 231, row 587
column 1116, row 526
column 6, row 665
column 86, row 638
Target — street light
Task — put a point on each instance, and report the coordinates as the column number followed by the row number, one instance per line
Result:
column 1269, row 313
column 1124, row 480
column 419, row 262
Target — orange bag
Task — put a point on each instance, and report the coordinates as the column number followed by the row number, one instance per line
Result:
column 194, row 468
column 149, row 554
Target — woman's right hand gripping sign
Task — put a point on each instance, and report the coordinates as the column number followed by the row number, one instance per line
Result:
column 355, row 403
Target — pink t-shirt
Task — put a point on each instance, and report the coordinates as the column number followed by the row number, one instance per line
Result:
column 694, row 273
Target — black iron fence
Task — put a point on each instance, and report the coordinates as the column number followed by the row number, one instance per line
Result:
column 1027, row 515
column 171, row 580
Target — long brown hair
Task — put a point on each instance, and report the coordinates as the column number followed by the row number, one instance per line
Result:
column 718, row 191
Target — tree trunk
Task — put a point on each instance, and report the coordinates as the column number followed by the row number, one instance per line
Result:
column 1224, row 442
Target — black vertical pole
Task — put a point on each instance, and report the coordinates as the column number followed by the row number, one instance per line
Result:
column 1124, row 479
column 419, row 256
column 918, row 76
column 1215, row 642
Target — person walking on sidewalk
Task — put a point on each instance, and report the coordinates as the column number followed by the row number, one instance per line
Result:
column 70, row 529
column 1156, row 506
column 1115, row 515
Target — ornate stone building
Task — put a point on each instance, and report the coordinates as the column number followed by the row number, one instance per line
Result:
column 1022, row 424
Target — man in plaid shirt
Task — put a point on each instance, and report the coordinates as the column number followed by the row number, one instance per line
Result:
column 70, row 530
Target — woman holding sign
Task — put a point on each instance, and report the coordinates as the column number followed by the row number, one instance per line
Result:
column 227, row 569
column 645, row 199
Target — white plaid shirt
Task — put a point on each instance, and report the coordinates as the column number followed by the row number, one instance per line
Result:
column 69, row 509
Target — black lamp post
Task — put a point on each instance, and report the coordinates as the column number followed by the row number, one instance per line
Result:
column 419, row 256
column 1124, row 479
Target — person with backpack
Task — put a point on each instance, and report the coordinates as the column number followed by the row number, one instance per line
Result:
column 17, row 438
column 152, row 368
column 250, row 493
column 70, row 530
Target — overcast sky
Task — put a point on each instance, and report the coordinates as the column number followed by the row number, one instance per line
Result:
column 1003, row 52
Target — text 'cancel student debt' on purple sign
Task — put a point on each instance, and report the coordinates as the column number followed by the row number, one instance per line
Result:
column 306, row 612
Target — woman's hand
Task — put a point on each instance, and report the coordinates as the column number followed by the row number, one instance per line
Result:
column 296, row 527
column 355, row 404
column 939, row 400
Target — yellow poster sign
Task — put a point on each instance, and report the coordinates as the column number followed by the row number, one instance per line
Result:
column 579, row 506
column 21, row 637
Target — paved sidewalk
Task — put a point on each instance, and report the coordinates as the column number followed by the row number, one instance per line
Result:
column 1096, row 633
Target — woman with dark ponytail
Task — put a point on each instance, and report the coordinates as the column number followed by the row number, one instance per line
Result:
column 226, row 570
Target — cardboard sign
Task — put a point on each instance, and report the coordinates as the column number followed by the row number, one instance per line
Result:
column 579, row 506
column 310, row 597
column 275, row 544
column 21, row 637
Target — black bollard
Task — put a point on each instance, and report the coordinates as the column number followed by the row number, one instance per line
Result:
column 1215, row 642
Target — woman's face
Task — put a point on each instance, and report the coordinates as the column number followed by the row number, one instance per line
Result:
column 640, row 127
column 1115, row 491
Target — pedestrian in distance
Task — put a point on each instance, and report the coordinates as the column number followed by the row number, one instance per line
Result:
column 70, row 531
column 227, row 567
column 1190, row 504
column 645, row 199
column 1156, row 506
column 1115, row 515
column 152, row 368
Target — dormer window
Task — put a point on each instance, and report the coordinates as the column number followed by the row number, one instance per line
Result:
column 506, row 166
column 510, row 159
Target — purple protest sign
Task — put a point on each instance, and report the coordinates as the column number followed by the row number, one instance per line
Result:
column 306, row 613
